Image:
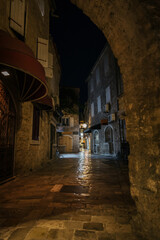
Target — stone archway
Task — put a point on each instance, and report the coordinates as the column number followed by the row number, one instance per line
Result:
column 132, row 30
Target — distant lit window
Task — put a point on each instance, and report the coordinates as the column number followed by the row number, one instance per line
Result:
column 99, row 104
column 97, row 76
column 92, row 109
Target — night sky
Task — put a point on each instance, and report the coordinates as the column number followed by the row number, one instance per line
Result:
column 79, row 43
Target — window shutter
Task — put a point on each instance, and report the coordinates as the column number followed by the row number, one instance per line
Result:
column 99, row 103
column 71, row 122
column 49, row 70
column 17, row 15
column 108, row 95
column 42, row 54
column 92, row 109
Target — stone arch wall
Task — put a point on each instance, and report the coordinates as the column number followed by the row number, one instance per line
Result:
column 132, row 29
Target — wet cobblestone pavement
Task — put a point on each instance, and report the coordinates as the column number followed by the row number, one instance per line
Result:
column 78, row 197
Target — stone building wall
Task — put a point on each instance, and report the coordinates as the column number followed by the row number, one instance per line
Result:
column 132, row 30
column 72, row 131
column 29, row 154
column 70, row 107
column 53, row 84
column 107, row 78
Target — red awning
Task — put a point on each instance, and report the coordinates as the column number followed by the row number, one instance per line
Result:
column 15, row 54
column 46, row 102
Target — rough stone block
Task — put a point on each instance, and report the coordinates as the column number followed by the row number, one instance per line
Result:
column 93, row 226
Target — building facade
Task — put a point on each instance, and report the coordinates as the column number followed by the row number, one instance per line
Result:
column 106, row 126
column 29, row 86
column 69, row 140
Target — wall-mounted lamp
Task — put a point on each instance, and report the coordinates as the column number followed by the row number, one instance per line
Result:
column 5, row 73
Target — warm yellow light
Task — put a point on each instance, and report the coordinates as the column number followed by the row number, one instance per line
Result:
column 84, row 125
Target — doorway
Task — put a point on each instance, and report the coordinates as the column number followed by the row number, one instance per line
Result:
column 96, row 142
column 109, row 142
column 7, row 134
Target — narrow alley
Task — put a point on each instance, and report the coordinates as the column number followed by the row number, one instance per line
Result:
column 78, row 196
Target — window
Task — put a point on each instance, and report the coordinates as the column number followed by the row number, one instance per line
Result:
column 108, row 95
column 35, row 126
column 17, row 16
column 92, row 109
column 99, row 103
column 42, row 54
column 65, row 121
column 97, row 76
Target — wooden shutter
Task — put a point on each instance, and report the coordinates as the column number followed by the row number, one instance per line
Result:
column 71, row 122
column 108, row 95
column 42, row 54
column 17, row 16
column 49, row 70
column 92, row 109
column 99, row 103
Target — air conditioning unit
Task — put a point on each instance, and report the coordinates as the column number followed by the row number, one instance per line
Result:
column 111, row 117
column 107, row 107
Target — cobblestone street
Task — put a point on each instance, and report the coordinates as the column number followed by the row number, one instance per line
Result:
column 78, row 197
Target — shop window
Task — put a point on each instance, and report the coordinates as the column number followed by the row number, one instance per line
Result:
column 35, row 126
